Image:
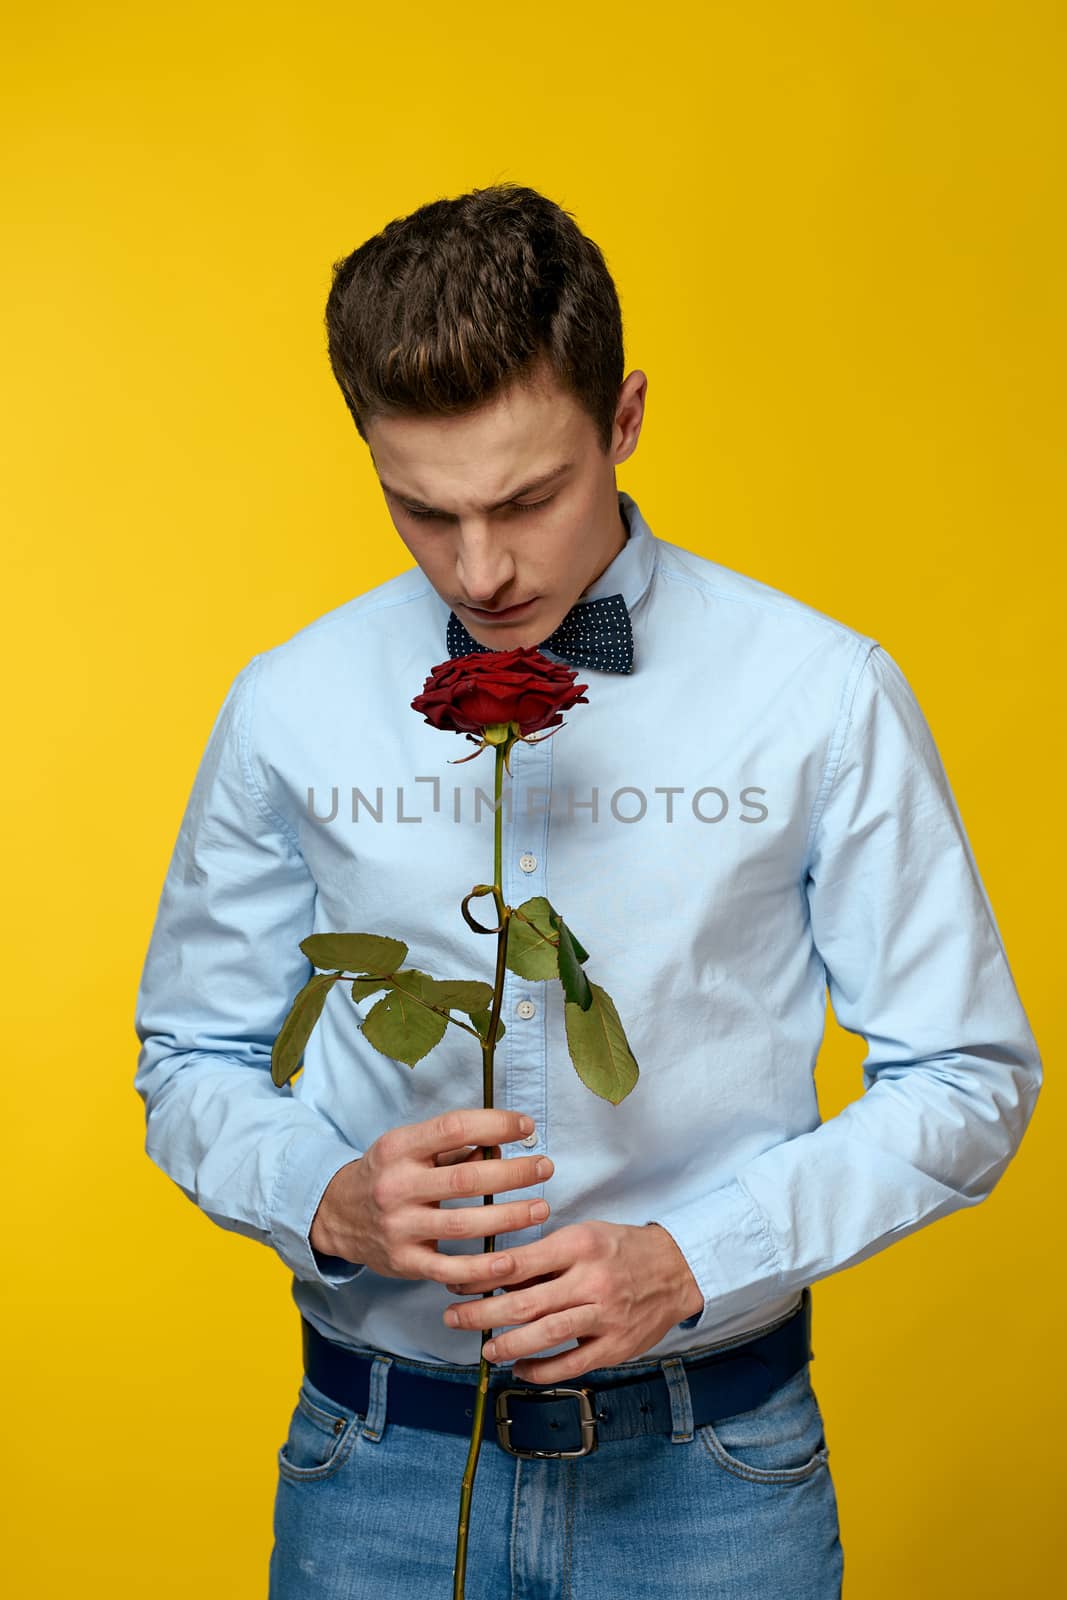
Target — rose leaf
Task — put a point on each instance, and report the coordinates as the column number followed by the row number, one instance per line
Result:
column 532, row 941
column 460, row 994
column 363, row 986
column 297, row 1028
column 572, row 975
column 398, row 1025
column 598, row 1047
column 580, row 953
column 354, row 952
column 480, row 1019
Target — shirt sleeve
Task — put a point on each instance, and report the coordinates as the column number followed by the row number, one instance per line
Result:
column 222, row 969
column 915, row 964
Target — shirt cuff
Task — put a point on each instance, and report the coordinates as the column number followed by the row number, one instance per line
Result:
column 727, row 1247
column 309, row 1164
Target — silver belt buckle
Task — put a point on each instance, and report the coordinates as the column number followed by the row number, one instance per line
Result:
column 585, row 1415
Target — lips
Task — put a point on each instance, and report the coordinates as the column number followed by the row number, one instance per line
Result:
column 506, row 611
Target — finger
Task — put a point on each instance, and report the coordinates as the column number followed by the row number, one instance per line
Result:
column 447, row 1268
column 476, row 1177
column 526, row 1283
column 473, row 1125
column 590, row 1354
column 478, row 1153
column 475, row 1222
column 517, row 1306
column 447, row 1158
column 514, row 1265
column 570, row 1322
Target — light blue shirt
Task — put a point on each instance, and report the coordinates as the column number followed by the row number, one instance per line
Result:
column 758, row 812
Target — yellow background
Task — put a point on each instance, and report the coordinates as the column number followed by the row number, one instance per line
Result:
column 837, row 230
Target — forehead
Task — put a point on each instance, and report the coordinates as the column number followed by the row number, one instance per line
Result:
column 479, row 456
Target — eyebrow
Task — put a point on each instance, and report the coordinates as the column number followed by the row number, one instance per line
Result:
column 529, row 487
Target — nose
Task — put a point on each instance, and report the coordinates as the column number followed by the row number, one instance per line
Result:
column 484, row 565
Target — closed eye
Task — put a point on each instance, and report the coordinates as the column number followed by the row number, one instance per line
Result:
column 423, row 514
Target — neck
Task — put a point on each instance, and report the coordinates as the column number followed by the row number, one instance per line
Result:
column 622, row 533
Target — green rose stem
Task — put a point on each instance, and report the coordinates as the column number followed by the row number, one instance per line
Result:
column 545, row 948
column 488, row 1048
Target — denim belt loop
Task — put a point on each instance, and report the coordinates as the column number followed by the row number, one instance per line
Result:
column 681, row 1401
column 374, row 1422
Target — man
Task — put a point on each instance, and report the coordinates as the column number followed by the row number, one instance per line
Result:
column 749, row 809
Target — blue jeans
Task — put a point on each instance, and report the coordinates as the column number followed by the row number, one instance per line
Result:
column 742, row 1510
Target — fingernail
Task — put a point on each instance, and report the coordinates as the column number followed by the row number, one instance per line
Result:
column 501, row 1264
column 452, row 1318
column 539, row 1210
column 526, row 1124
column 489, row 1350
column 543, row 1167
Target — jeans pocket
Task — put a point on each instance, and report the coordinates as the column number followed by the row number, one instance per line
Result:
column 321, row 1435
column 779, row 1441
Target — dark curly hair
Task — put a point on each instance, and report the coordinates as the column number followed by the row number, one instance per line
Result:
column 443, row 308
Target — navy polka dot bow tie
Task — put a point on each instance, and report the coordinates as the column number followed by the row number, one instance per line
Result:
column 594, row 633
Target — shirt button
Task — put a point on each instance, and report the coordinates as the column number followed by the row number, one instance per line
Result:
column 526, row 1009
column 529, row 1141
column 528, row 863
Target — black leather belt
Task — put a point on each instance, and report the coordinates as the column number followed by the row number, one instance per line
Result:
column 541, row 1421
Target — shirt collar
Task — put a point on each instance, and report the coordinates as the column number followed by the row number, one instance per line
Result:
column 629, row 573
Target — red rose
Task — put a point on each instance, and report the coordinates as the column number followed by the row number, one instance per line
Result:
column 471, row 693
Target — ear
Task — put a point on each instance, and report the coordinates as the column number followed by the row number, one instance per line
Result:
column 629, row 415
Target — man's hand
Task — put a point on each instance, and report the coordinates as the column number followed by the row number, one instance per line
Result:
column 617, row 1289
column 384, row 1208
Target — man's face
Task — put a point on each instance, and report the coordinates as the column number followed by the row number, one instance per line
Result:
column 511, row 510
